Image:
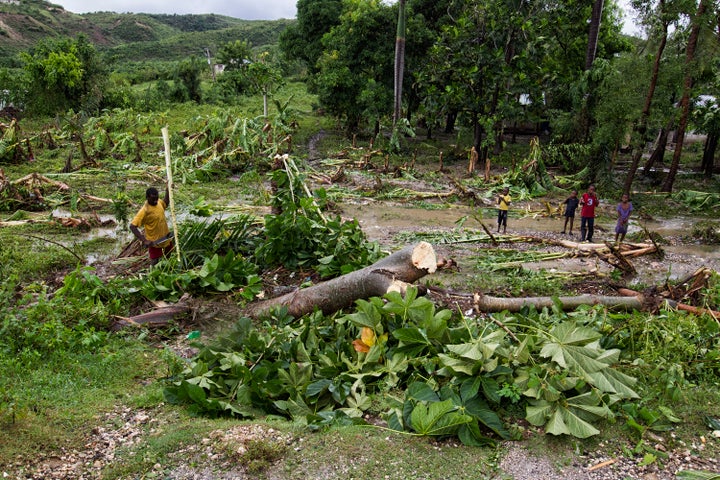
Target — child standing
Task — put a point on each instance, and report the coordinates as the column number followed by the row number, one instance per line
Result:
column 571, row 203
column 623, row 209
column 587, row 214
column 503, row 203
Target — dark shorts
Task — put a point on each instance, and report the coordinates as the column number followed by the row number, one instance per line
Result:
column 157, row 252
column 502, row 216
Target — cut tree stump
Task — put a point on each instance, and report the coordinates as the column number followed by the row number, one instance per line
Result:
column 393, row 273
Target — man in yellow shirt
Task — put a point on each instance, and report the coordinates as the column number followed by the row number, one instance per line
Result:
column 503, row 203
column 151, row 216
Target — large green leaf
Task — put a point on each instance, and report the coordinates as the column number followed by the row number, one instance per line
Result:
column 296, row 408
column 409, row 307
column 610, row 380
column 569, row 418
column 318, row 387
column 580, row 360
column 469, row 434
column 437, row 418
column 569, row 333
column 421, row 392
column 480, row 410
column 471, row 351
column 411, row 335
column 369, row 314
column 574, row 348
column 451, row 366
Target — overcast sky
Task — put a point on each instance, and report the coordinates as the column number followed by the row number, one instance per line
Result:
column 243, row 9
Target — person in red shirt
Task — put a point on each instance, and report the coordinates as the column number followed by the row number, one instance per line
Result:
column 588, row 202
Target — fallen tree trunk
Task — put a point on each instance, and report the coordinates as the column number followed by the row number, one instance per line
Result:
column 627, row 249
column 618, row 260
column 486, row 304
column 393, row 272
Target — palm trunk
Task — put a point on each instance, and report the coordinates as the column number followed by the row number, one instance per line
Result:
column 658, row 155
column 685, row 100
column 593, row 33
column 708, row 160
column 641, row 127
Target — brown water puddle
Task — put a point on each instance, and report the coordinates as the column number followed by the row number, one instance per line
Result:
column 383, row 222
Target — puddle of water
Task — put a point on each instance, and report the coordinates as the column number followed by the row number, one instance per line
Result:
column 670, row 226
column 380, row 222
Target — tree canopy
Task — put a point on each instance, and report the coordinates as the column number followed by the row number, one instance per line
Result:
column 63, row 74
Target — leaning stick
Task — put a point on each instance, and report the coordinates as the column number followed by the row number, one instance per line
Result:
column 168, row 167
column 602, row 465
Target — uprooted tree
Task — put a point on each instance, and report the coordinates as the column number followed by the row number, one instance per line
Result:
column 393, row 273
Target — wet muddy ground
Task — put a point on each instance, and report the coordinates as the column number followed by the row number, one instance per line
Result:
column 389, row 223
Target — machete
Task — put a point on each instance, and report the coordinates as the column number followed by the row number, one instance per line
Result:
column 161, row 240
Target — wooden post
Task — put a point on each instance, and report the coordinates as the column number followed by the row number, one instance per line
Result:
column 168, row 167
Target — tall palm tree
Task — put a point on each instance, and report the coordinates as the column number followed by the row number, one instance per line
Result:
column 593, row 33
column 685, row 100
column 641, row 127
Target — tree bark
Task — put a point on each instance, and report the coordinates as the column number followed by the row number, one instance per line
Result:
column 484, row 303
column 593, row 33
column 658, row 155
column 641, row 127
column 708, row 160
column 450, row 122
column 685, row 100
column 392, row 273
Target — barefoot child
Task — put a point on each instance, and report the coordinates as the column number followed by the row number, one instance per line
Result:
column 503, row 203
column 623, row 209
column 571, row 203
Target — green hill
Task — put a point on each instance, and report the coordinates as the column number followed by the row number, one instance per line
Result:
column 127, row 37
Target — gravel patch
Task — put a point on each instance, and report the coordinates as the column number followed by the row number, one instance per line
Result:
column 215, row 457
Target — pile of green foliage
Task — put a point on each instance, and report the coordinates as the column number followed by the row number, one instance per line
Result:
column 431, row 372
column 697, row 201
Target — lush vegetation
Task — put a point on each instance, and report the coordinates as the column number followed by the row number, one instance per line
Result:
column 86, row 139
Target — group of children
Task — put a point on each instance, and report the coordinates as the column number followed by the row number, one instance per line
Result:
column 587, row 204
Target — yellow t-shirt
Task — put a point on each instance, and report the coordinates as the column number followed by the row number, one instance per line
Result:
column 152, row 218
column 504, row 202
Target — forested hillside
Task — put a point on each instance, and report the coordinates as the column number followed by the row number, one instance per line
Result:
column 127, row 36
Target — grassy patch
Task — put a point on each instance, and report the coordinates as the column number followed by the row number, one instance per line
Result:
column 355, row 452
column 52, row 403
